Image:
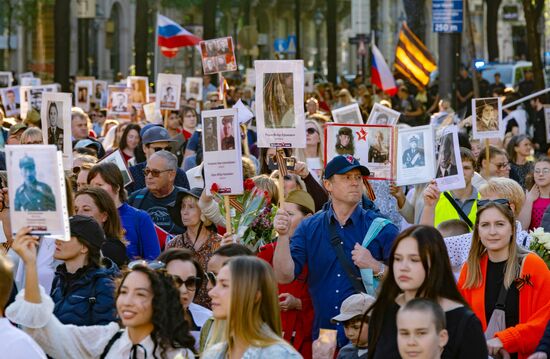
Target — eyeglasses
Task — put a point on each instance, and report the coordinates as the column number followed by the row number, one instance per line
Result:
column 502, row 165
column 154, row 265
column 311, row 131
column 485, row 202
column 167, row 148
column 154, row 173
column 543, row 171
column 192, row 283
column 211, row 277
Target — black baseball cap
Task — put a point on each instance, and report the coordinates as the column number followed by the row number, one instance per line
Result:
column 343, row 164
column 87, row 229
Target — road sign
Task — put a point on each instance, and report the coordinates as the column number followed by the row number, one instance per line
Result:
column 291, row 44
column 280, row 44
column 447, row 15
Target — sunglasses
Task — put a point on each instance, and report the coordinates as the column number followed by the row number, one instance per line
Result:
column 192, row 283
column 502, row 165
column 154, row 173
column 485, row 202
column 167, row 148
column 211, row 277
column 311, row 131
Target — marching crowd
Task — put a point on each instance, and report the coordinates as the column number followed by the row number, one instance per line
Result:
column 353, row 268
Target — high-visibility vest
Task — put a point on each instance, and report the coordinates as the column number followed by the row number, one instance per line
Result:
column 445, row 211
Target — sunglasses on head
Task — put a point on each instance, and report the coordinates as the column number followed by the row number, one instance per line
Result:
column 485, row 202
column 311, row 131
column 154, row 173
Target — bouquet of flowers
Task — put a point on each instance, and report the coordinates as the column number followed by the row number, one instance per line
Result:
column 252, row 215
column 541, row 244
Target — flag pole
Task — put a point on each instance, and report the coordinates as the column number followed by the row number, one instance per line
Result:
column 156, row 70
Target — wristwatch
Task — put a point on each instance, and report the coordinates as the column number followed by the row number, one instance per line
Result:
column 381, row 271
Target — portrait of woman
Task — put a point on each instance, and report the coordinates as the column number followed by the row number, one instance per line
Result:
column 279, row 100
column 487, row 114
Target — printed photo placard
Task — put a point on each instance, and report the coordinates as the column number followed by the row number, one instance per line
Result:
column 99, row 95
column 218, row 55
column 222, row 151
column 449, row 174
column 31, row 81
column 382, row 115
column 11, row 100
column 119, row 101
column 279, row 103
column 36, row 189
column 139, row 90
column 56, row 124
column 372, row 145
column 168, row 92
column 309, row 81
column 6, row 78
column 193, row 88
column 415, row 155
column 348, row 114
column 117, row 159
column 34, row 96
column 487, row 118
column 83, row 93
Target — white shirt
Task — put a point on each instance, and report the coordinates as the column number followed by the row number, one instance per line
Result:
column 45, row 264
column 17, row 343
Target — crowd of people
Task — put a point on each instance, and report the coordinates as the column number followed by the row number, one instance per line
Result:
column 352, row 268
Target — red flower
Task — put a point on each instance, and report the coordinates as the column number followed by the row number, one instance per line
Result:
column 215, row 188
column 249, row 184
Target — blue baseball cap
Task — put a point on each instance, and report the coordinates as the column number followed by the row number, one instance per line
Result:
column 343, row 164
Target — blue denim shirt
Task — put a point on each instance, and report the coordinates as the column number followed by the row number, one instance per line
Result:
column 327, row 280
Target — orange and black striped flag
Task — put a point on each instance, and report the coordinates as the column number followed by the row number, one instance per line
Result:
column 412, row 58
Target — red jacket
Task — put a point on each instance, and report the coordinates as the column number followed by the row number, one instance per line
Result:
column 534, row 305
column 298, row 321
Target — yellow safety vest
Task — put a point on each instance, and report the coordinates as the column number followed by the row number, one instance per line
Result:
column 445, row 211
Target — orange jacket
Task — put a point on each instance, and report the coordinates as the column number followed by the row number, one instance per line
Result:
column 534, row 305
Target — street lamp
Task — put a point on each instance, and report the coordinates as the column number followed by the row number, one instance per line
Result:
column 318, row 20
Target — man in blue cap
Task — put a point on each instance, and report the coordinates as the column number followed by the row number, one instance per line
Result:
column 330, row 244
column 33, row 195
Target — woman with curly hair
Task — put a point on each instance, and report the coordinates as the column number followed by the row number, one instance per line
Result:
column 151, row 325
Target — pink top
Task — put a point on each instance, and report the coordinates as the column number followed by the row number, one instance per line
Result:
column 539, row 206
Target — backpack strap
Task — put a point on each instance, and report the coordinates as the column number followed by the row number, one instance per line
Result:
column 351, row 272
column 458, row 210
column 110, row 343
column 367, row 274
column 140, row 197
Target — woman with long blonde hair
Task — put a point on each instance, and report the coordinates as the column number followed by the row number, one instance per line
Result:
column 245, row 296
column 507, row 287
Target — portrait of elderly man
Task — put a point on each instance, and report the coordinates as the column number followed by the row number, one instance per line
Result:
column 414, row 155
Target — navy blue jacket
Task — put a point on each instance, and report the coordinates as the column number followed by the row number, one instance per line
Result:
column 86, row 297
column 139, row 178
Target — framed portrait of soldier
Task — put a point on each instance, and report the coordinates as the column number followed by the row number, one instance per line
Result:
column 218, row 55
column 193, row 88
column 119, row 101
column 487, row 118
column 372, row 145
column 382, row 115
column 99, row 93
column 168, row 91
column 56, row 124
column 36, row 190
column 415, row 155
column 222, row 151
column 279, row 103
column 6, row 78
column 116, row 158
column 448, row 174
column 34, row 96
column 11, row 100
column 348, row 114
column 83, row 93
column 309, row 81
column 139, row 90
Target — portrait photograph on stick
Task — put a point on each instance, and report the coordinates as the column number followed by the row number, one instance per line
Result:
column 415, row 155
column 34, row 96
column 11, row 100
column 222, row 155
column 218, row 55
column 168, row 91
column 487, row 118
column 449, row 174
column 36, row 189
column 193, row 88
column 83, row 93
column 371, row 145
column 118, row 103
column 6, row 78
column 382, row 115
column 56, row 124
column 279, row 103
column 139, row 90
column 116, row 158
column 348, row 114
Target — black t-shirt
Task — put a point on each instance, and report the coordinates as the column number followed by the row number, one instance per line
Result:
column 466, row 338
column 157, row 208
column 495, row 278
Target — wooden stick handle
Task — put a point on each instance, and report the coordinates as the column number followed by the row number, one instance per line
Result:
column 227, row 214
column 281, row 185
column 488, row 159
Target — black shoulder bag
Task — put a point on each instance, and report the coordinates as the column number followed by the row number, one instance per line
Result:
column 336, row 243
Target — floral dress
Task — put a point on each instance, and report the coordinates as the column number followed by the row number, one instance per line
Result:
column 202, row 255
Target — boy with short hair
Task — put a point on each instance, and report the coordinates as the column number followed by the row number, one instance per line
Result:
column 14, row 341
column 421, row 332
column 351, row 316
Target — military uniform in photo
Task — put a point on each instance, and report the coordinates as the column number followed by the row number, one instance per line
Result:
column 413, row 156
column 33, row 195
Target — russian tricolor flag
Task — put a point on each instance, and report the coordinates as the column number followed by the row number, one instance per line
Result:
column 381, row 74
column 172, row 36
